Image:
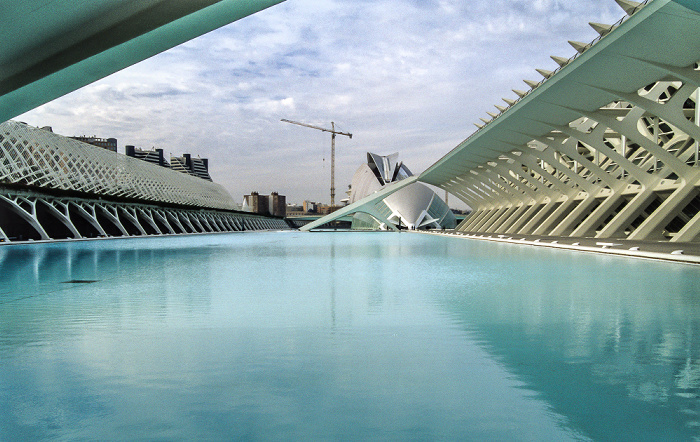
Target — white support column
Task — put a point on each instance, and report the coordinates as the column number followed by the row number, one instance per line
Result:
column 502, row 219
column 651, row 227
column 111, row 213
column 175, row 219
column 87, row 212
column 196, row 222
column 62, row 215
column 163, row 219
column 690, row 231
column 697, row 123
column 130, row 214
column 29, row 216
column 149, row 219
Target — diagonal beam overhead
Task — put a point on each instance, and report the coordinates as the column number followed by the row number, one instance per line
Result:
column 50, row 48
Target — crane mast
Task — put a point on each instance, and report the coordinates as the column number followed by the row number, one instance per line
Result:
column 333, row 134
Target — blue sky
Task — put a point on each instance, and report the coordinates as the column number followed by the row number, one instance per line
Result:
column 403, row 76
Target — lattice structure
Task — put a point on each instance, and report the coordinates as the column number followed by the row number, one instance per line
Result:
column 28, row 216
column 36, row 165
column 629, row 170
column 606, row 146
column 35, row 157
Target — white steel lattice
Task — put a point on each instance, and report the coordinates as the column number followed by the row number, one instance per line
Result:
column 36, row 157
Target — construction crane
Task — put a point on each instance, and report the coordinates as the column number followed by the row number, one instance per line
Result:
column 333, row 134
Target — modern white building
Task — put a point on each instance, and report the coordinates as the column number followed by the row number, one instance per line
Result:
column 56, row 187
column 413, row 207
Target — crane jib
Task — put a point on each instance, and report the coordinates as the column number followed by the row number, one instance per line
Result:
column 334, row 133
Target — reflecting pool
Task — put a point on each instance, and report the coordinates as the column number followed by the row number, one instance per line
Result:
column 345, row 336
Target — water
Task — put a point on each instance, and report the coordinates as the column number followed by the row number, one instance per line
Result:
column 343, row 336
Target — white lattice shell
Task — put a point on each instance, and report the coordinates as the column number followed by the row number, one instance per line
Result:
column 37, row 157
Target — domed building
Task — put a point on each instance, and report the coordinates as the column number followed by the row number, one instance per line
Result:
column 415, row 206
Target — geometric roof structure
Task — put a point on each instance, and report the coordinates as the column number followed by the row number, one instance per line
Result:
column 606, row 146
column 49, row 48
column 34, row 158
column 386, row 166
column 661, row 37
column 414, row 207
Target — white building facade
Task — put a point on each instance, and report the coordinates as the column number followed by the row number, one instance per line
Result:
column 413, row 207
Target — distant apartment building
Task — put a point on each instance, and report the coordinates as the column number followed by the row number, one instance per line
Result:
column 294, row 209
column 154, row 156
column 278, row 204
column 105, row 143
column 198, row 167
column 310, row 206
column 273, row 204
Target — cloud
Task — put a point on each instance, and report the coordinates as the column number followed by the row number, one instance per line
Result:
column 401, row 75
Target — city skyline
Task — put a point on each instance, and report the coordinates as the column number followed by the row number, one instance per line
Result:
column 402, row 76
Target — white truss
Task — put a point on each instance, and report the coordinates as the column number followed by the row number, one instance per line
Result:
column 629, row 169
column 30, row 216
column 38, row 158
column 605, row 147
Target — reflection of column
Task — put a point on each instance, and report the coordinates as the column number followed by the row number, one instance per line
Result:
column 332, row 285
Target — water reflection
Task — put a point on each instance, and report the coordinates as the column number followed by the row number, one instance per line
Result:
column 132, row 285
column 616, row 351
column 332, row 336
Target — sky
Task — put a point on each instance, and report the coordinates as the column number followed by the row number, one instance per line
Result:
column 406, row 76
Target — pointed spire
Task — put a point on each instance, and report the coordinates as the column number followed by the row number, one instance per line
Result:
column 561, row 61
column 580, row 47
column 500, row 108
column 601, row 28
column 629, row 6
column 492, row 115
column 509, row 101
column 545, row 73
column 479, row 126
column 485, row 120
column 519, row 93
column 532, row 84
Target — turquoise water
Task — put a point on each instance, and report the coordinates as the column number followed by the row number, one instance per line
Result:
column 344, row 336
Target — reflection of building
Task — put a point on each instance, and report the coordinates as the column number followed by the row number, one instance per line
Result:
column 274, row 204
column 414, row 207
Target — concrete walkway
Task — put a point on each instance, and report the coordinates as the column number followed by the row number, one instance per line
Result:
column 688, row 253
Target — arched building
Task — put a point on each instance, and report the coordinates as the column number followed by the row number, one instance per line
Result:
column 414, row 207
